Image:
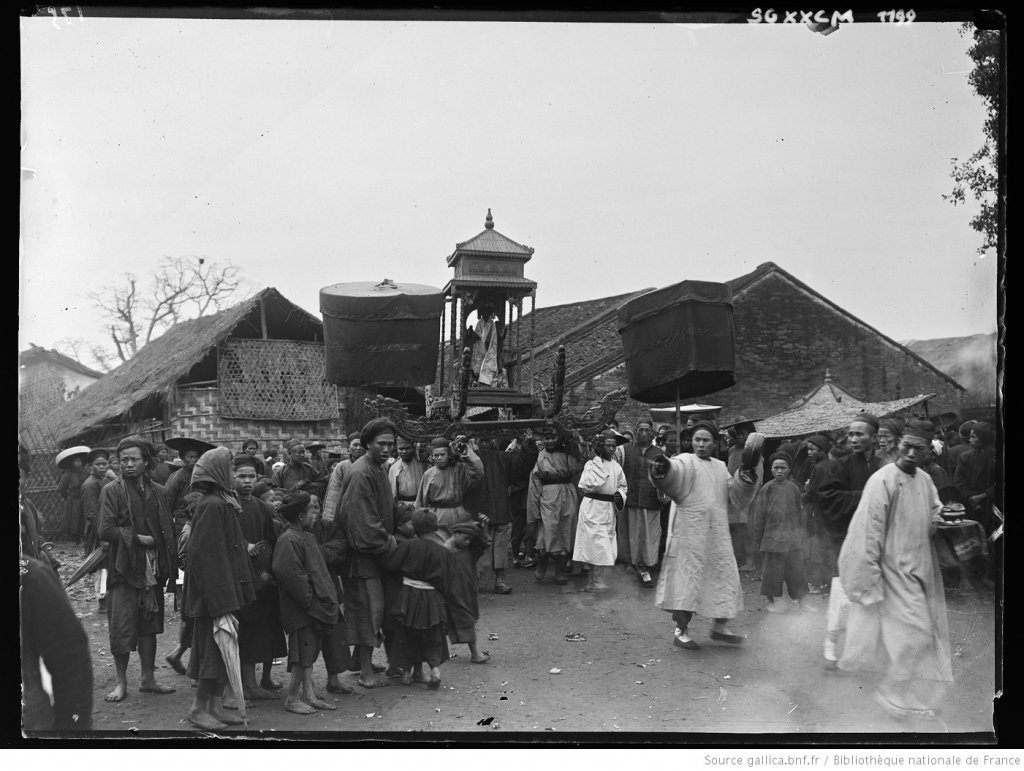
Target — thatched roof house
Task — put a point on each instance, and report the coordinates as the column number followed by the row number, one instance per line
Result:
column 255, row 369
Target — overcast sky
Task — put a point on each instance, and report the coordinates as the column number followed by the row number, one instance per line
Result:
column 628, row 156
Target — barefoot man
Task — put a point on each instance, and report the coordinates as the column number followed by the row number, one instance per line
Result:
column 135, row 520
column 366, row 515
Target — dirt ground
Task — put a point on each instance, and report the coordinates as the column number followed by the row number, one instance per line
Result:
column 626, row 676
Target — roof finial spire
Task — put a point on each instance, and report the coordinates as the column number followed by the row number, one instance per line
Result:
column 828, row 376
column 489, row 221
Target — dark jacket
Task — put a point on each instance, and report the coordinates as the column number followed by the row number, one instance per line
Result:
column 305, row 587
column 127, row 555
column 778, row 517
column 50, row 631
column 219, row 577
column 366, row 516
column 840, row 493
column 640, row 493
column 501, row 471
column 286, row 478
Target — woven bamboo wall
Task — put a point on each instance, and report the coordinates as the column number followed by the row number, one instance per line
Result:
column 275, row 380
column 195, row 412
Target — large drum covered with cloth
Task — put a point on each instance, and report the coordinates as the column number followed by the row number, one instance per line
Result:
column 382, row 334
column 679, row 341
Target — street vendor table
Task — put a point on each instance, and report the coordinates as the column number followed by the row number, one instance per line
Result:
column 959, row 542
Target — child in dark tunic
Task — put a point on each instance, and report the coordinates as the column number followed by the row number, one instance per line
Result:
column 392, row 581
column 467, row 543
column 419, row 606
column 260, row 636
column 309, row 602
column 779, row 536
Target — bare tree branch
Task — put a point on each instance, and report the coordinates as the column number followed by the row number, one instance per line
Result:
column 183, row 288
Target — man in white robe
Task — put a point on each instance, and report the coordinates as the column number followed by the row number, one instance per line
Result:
column 487, row 338
column 698, row 572
column 603, row 484
column 890, row 572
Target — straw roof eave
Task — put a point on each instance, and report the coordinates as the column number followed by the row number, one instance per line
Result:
column 154, row 370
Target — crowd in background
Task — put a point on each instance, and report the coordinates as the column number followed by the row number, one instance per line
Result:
column 305, row 554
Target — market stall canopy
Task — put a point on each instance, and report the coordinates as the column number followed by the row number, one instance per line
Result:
column 679, row 341
column 812, row 418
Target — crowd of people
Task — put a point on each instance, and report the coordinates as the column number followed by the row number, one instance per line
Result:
column 333, row 555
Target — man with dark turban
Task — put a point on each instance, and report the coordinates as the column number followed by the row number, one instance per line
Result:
column 366, row 517
column 839, row 497
column 135, row 519
column 961, row 443
column 975, row 476
column 333, row 495
column 699, row 572
column 218, row 583
column 890, row 572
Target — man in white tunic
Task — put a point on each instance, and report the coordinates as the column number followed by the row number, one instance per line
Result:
column 889, row 571
column 699, row 573
column 603, row 484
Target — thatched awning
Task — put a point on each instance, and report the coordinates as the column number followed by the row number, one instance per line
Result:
column 158, row 366
column 815, row 418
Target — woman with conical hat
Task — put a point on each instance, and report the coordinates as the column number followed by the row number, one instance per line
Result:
column 71, row 463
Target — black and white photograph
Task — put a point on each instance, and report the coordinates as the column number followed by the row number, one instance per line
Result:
column 509, row 377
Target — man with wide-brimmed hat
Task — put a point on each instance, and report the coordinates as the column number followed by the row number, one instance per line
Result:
column 180, row 482
column 135, row 520
column 71, row 463
column 98, row 462
column 316, row 459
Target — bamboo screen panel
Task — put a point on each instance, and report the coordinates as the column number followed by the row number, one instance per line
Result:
column 275, row 380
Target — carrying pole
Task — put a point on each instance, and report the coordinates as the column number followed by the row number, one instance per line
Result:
column 679, row 430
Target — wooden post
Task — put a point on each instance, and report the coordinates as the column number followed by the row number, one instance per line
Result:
column 679, row 428
column 533, row 327
column 440, row 343
column 263, row 318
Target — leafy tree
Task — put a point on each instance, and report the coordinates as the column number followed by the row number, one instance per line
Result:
column 978, row 175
